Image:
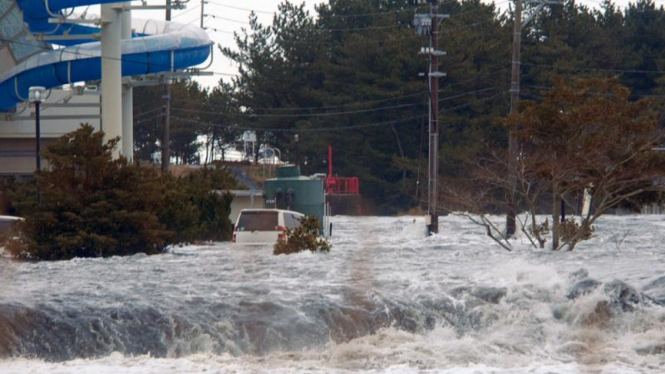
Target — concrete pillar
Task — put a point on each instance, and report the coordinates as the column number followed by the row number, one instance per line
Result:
column 111, row 74
column 127, row 97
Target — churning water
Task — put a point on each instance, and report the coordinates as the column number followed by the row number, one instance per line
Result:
column 384, row 300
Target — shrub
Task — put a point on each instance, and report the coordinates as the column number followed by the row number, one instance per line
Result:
column 197, row 198
column 302, row 238
column 92, row 205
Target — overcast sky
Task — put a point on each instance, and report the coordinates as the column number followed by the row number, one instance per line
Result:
column 235, row 19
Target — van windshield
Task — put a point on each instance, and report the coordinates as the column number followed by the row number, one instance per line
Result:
column 257, row 221
column 6, row 224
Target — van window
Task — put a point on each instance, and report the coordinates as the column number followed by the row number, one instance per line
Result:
column 291, row 220
column 6, row 224
column 257, row 221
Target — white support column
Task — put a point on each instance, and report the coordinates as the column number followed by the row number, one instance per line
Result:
column 127, row 97
column 111, row 74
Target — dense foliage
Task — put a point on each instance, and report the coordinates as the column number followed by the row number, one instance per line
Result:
column 587, row 134
column 584, row 138
column 348, row 76
column 87, row 204
column 303, row 238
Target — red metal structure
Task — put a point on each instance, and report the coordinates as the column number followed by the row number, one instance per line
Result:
column 340, row 185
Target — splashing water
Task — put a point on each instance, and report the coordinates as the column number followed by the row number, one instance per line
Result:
column 386, row 299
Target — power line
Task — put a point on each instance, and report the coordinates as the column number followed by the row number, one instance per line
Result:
column 334, row 15
column 90, row 55
column 316, row 26
column 227, row 19
column 219, row 31
column 368, row 41
column 549, row 88
column 300, row 115
column 336, row 128
column 186, row 11
column 328, row 114
column 387, row 13
column 369, row 28
column 355, row 103
column 145, row 113
column 624, row 71
column 368, row 102
column 292, row 130
column 240, row 8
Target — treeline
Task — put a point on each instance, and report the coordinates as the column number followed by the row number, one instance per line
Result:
column 348, row 76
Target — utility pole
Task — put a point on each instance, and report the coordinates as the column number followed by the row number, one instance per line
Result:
column 434, row 120
column 203, row 3
column 429, row 24
column 166, row 136
column 513, row 146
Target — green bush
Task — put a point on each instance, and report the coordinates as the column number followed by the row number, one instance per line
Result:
column 89, row 204
column 197, row 197
column 302, row 238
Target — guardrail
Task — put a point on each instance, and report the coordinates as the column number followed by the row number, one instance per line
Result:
column 342, row 185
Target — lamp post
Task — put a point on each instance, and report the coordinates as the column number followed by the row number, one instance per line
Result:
column 36, row 96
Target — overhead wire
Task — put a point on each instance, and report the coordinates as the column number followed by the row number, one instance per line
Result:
column 549, row 88
column 327, row 129
column 328, row 114
column 355, row 103
column 339, row 16
column 298, row 115
column 391, row 12
column 186, row 11
column 145, row 113
column 292, row 130
column 623, row 71
column 483, row 75
column 370, row 28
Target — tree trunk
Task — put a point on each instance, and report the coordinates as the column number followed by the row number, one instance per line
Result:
column 556, row 214
column 401, row 151
column 207, row 151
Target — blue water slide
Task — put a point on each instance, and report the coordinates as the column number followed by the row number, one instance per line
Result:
column 156, row 47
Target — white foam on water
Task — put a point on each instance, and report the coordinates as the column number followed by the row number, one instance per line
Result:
column 377, row 265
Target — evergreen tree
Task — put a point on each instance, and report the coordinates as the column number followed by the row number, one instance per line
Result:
column 88, row 204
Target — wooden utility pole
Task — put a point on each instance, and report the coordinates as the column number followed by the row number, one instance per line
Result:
column 166, row 135
column 433, row 75
column 428, row 24
column 513, row 146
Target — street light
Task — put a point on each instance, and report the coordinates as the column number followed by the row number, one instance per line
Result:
column 36, row 96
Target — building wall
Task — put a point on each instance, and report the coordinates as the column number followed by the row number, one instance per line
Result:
column 241, row 202
column 17, row 131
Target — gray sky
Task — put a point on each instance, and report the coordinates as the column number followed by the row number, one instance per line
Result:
column 235, row 19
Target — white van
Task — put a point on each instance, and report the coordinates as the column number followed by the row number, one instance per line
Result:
column 264, row 226
column 7, row 222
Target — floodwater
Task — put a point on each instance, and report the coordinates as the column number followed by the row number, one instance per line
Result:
column 386, row 299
